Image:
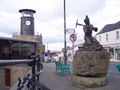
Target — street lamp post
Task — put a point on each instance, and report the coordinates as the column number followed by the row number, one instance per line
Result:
column 65, row 50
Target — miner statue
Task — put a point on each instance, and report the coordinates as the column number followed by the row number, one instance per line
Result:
column 90, row 42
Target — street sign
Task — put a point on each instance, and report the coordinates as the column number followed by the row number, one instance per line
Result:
column 46, row 53
column 73, row 37
column 70, row 31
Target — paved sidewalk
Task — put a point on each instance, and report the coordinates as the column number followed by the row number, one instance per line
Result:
column 57, row 82
column 4, row 88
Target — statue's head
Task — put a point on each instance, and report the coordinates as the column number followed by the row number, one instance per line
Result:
column 86, row 20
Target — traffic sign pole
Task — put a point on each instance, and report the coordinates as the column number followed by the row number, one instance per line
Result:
column 72, row 50
column 73, row 38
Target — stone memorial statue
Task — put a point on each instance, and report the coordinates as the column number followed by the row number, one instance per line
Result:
column 90, row 62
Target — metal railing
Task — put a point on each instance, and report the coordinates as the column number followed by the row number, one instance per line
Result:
column 13, row 62
column 31, row 80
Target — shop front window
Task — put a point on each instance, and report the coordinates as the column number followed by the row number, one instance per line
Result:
column 117, row 35
column 106, row 37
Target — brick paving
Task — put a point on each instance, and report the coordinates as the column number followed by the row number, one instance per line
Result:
column 56, row 82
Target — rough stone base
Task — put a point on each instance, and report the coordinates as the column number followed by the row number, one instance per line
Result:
column 91, row 63
column 80, row 81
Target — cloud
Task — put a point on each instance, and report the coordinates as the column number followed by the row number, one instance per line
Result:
column 56, row 46
column 82, row 7
column 107, row 15
column 49, row 17
column 9, row 22
column 51, row 31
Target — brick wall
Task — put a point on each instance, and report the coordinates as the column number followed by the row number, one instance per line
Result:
column 15, row 72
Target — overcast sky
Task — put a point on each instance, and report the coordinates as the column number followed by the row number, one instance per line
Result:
column 49, row 17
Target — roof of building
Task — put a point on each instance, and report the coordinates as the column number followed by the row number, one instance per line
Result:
column 14, row 39
column 109, row 27
column 24, row 10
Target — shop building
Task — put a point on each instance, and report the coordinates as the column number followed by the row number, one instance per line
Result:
column 109, row 37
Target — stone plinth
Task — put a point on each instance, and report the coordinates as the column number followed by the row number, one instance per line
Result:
column 80, row 81
column 90, row 68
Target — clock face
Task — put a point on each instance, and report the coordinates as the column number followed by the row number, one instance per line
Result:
column 28, row 22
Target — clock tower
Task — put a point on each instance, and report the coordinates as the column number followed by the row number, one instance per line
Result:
column 27, row 21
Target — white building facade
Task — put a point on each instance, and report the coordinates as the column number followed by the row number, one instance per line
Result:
column 109, row 37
